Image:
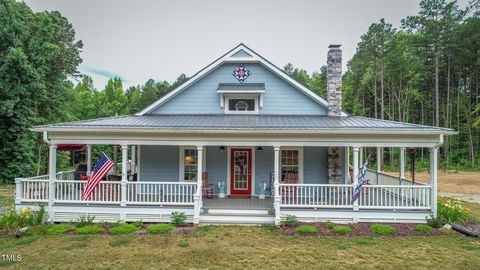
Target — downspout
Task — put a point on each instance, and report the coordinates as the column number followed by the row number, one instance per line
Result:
column 45, row 137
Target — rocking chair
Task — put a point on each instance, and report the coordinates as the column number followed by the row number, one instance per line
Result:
column 207, row 189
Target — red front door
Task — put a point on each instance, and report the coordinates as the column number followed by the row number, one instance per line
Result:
column 241, row 171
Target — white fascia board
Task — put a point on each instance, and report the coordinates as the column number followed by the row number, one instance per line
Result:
column 240, row 91
column 229, row 59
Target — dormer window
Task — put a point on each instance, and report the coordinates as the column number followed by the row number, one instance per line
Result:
column 241, row 98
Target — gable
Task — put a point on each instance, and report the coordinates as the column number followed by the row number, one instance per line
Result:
column 240, row 53
column 280, row 97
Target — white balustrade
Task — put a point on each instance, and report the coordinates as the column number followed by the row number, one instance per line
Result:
column 161, row 193
column 70, row 191
column 315, row 195
column 32, row 190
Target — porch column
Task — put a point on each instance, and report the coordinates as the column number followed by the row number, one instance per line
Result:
column 52, row 171
column 124, row 175
column 379, row 161
column 433, row 179
column 355, row 173
column 276, row 184
column 134, row 159
column 360, row 157
column 402, row 163
column 197, row 198
column 89, row 159
column 347, row 165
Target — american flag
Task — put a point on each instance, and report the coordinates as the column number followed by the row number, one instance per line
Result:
column 361, row 180
column 102, row 167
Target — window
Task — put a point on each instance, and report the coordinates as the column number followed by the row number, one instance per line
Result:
column 291, row 165
column 241, row 104
column 189, row 161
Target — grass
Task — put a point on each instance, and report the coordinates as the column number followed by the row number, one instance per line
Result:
column 239, row 246
column 89, row 229
column 60, row 228
column 423, row 228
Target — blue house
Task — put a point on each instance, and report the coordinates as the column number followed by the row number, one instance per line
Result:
column 240, row 142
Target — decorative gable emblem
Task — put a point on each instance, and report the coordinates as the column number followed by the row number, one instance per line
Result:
column 241, row 73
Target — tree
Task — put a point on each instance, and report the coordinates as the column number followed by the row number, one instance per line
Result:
column 38, row 53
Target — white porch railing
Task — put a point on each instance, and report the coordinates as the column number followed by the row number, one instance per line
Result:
column 107, row 192
column 164, row 193
column 340, row 196
column 315, row 195
column 70, row 191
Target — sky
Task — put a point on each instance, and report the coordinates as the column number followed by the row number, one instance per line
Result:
column 143, row 39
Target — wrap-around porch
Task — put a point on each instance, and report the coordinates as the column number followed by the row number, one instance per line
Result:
column 287, row 190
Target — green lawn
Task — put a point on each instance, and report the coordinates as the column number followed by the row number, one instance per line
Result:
column 240, row 247
column 237, row 247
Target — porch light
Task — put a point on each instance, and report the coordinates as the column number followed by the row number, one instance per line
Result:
column 222, row 149
column 260, row 150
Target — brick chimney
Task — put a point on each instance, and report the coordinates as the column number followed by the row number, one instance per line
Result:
column 334, row 80
column 334, row 88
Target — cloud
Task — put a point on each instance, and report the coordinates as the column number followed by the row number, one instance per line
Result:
column 103, row 73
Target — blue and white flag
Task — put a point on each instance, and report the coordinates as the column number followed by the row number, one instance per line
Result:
column 361, row 180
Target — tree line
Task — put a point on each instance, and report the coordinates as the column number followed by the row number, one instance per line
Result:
column 425, row 72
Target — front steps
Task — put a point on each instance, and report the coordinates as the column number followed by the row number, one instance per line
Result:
column 236, row 216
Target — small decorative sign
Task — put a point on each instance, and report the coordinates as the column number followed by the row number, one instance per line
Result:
column 241, row 73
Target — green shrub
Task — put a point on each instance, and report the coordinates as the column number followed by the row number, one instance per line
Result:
column 123, row 229
column 452, row 210
column 304, row 229
column 14, row 220
column 341, row 229
column 41, row 229
column 435, row 222
column 329, row 224
column 89, row 229
column 85, row 220
column 138, row 224
column 178, row 218
column 60, row 229
column 423, row 228
column 290, row 220
column 160, row 228
column 382, row 229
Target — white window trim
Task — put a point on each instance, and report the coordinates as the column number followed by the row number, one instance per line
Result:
column 182, row 164
column 227, row 98
column 300, row 161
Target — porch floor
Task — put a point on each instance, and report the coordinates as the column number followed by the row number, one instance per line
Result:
column 238, row 203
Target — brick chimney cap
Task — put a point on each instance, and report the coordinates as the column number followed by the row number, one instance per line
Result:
column 334, row 46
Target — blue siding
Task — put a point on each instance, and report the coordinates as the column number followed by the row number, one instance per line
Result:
column 279, row 98
column 241, row 53
column 159, row 163
column 263, row 167
column 216, row 166
column 315, row 165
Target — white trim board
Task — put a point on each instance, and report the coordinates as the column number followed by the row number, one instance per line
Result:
column 227, row 58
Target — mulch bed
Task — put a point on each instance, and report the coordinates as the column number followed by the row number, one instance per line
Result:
column 360, row 229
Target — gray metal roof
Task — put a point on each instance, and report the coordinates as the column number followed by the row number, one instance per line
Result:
column 244, row 122
column 241, row 86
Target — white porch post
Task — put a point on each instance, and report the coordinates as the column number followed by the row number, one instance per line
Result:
column 197, row 198
column 379, row 161
column 276, row 184
column 52, row 171
column 89, row 159
column 124, row 176
column 402, row 163
column 134, row 159
column 433, row 178
column 360, row 157
column 355, row 173
column 347, row 165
